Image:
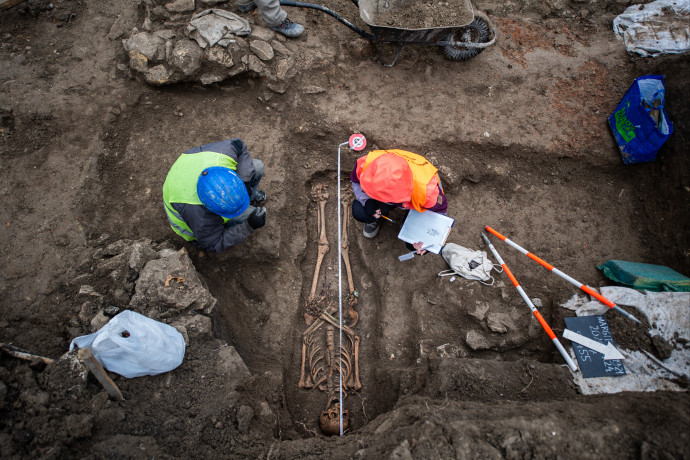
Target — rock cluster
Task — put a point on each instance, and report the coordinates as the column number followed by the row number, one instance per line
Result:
column 168, row 49
column 160, row 283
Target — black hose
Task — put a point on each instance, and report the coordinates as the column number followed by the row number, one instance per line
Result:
column 364, row 34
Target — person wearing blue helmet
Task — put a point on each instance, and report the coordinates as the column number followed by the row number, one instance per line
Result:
column 211, row 195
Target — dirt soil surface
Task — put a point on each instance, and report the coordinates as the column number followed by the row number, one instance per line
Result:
column 448, row 369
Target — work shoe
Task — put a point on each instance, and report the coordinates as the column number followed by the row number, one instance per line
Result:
column 288, row 28
column 259, row 197
column 247, row 8
column 372, row 229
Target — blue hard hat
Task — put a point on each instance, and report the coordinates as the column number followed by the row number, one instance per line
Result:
column 222, row 191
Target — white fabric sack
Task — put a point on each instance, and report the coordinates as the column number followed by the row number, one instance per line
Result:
column 471, row 264
column 656, row 28
column 214, row 26
column 133, row 345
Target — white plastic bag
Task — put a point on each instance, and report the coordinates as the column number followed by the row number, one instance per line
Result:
column 656, row 28
column 473, row 265
column 133, row 345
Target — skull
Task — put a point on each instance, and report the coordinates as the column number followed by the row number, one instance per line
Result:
column 329, row 421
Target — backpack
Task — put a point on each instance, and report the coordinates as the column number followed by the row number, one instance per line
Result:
column 471, row 264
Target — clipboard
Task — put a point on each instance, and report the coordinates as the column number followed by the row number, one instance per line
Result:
column 431, row 228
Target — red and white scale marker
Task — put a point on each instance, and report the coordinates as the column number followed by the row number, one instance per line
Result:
column 542, row 321
column 553, row 269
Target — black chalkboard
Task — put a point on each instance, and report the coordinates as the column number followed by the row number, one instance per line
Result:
column 592, row 362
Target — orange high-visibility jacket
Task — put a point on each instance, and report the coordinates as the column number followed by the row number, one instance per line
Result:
column 384, row 177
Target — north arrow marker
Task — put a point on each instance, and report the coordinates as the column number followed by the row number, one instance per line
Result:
column 609, row 350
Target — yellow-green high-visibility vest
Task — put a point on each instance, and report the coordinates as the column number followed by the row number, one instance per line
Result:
column 180, row 185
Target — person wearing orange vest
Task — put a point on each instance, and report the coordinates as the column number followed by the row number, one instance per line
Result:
column 386, row 179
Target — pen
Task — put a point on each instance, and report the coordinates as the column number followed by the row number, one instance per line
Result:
column 389, row 220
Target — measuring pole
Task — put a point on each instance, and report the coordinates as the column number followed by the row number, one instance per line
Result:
column 553, row 269
column 529, row 303
column 356, row 142
column 340, row 305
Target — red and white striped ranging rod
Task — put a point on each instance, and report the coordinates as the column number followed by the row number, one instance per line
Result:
column 553, row 269
column 529, row 303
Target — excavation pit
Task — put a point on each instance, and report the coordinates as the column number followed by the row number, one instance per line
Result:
column 520, row 138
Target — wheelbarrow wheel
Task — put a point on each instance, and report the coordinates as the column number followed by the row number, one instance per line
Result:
column 477, row 31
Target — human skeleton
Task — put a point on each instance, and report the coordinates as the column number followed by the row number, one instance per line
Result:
column 322, row 357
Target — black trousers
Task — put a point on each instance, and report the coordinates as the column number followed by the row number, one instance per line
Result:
column 366, row 213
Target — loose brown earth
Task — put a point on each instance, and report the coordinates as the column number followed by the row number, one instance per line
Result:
column 520, row 136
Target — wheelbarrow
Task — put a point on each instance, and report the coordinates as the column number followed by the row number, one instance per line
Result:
column 405, row 22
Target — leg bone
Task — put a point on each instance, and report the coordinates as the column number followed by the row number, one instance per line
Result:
column 354, row 316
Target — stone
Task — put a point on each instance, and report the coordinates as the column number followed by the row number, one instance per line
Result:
column 479, row 312
column 141, row 252
column 262, row 49
column 111, row 310
column 88, row 290
column 476, row 341
column 277, row 86
column 450, row 176
column 285, row 68
column 186, row 56
column 186, row 292
column 138, row 61
column 313, row 89
column 166, row 253
column 255, row 65
column 147, row 44
column 169, row 45
column 262, row 33
column 99, row 321
column 195, row 326
column 278, row 47
column 180, row 6
column 116, row 248
column 219, row 55
column 210, row 78
column 86, row 312
column 213, row 2
column 165, row 34
column 230, row 363
column 237, row 69
column 500, row 322
column 118, row 28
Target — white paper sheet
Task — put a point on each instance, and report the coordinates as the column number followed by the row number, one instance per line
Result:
column 429, row 227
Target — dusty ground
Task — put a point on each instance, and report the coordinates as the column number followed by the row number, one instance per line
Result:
column 520, row 136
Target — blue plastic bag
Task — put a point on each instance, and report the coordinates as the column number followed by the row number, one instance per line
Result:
column 640, row 123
